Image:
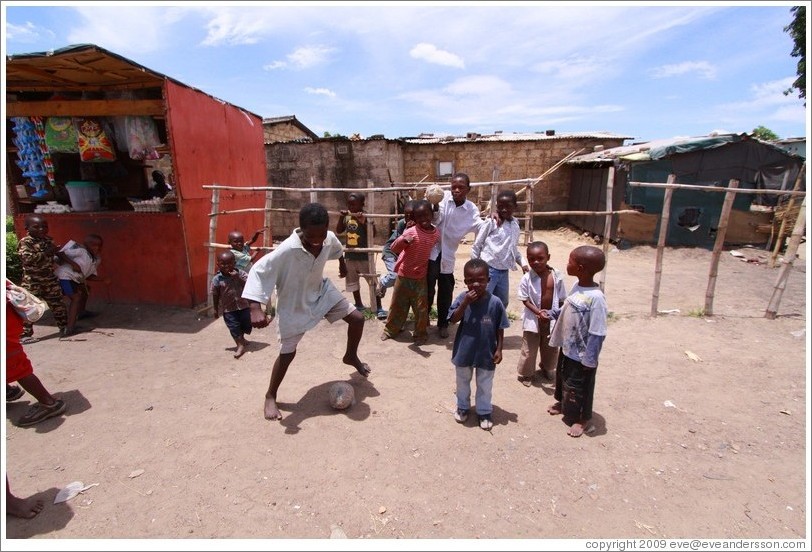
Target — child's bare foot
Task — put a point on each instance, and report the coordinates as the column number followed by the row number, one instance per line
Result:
column 578, row 428
column 554, row 409
column 25, row 508
column 271, row 410
column 241, row 347
column 362, row 368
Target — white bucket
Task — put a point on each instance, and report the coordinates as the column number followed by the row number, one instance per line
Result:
column 84, row 196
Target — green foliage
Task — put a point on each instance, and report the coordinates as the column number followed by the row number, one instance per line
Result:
column 697, row 313
column 764, row 133
column 14, row 267
column 797, row 30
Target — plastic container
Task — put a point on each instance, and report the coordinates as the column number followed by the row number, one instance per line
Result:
column 84, row 195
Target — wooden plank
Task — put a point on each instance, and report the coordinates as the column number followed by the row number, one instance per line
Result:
column 84, row 108
column 787, row 262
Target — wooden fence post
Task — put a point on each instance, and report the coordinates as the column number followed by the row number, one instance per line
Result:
column 372, row 276
column 607, row 228
column 721, row 230
column 787, row 262
column 215, row 207
column 779, row 241
column 658, row 262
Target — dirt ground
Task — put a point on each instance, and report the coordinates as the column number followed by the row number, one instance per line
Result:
column 700, row 425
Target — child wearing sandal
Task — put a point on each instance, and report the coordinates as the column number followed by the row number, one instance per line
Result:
column 478, row 342
column 295, row 270
column 226, row 291
column 539, row 289
column 20, row 370
column 580, row 331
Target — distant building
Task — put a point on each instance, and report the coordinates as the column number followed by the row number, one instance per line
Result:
column 285, row 129
column 793, row 145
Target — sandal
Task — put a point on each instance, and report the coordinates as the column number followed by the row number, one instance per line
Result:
column 13, row 392
column 39, row 412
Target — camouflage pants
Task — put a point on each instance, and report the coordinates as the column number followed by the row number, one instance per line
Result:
column 49, row 291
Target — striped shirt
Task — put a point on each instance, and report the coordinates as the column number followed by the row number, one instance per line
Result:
column 413, row 258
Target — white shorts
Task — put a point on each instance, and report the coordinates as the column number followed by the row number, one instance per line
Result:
column 340, row 310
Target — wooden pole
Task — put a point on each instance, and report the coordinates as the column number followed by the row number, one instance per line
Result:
column 267, row 237
column 528, row 213
column 779, row 240
column 721, row 230
column 371, row 278
column 215, row 206
column 786, row 263
column 658, row 262
column 607, row 229
column 313, row 196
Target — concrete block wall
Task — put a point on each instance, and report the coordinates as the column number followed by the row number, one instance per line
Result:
column 334, row 164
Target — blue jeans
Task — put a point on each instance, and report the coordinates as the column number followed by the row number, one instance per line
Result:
column 388, row 279
column 484, row 389
column 499, row 284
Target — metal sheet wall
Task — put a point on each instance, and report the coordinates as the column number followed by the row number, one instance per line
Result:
column 213, row 143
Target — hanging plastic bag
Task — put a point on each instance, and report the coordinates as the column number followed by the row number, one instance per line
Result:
column 94, row 144
column 60, row 135
column 142, row 138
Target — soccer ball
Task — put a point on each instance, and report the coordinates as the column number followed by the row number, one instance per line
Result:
column 434, row 194
column 342, row 395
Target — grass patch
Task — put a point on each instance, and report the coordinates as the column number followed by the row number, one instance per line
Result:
column 697, row 313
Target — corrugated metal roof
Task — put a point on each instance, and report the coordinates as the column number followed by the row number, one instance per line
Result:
column 510, row 137
column 658, row 149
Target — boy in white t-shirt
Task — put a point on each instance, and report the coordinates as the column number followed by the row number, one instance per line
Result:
column 80, row 263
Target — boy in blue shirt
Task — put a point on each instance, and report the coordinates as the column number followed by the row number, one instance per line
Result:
column 478, row 342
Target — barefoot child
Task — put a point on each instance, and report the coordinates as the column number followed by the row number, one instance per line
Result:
column 413, row 249
column 579, row 331
column 295, row 270
column 478, row 342
column 389, row 258
column 226, row 290
column 81, row 263
column 539, row 290
column 352, row 225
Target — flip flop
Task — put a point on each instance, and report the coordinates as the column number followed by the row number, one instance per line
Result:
column 39, row 412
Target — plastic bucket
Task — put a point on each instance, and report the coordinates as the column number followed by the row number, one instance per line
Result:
column 84, row 196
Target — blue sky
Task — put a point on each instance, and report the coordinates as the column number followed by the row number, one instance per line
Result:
column 645, row 70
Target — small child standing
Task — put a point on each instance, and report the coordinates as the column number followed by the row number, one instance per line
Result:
column 497, row 243
column 37, row 251
column 580, row 332
column 243, row 257
column 226, row 291
column 539, row 289
column 478, row 342
column 352, row 225
column 81, row 264
column 389, row 258
column 413, row 248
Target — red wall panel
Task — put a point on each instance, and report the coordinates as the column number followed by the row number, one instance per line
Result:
column 142, row 254
column 213, row 143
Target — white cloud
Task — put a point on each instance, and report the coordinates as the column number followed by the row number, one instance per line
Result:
column 309, row 56
column 26, row 33
column 125, row 29
column 302, row 58
column 320, row 92
column 431, row 54
column 228, row 27
column 704, row 69
column 274, row 65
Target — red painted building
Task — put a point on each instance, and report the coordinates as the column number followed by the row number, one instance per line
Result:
column 151, row 257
